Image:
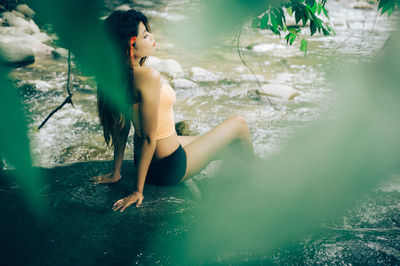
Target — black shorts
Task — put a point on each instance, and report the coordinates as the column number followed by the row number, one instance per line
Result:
column 165, row 172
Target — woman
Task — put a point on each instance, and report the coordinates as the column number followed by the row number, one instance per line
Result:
column 161, row 156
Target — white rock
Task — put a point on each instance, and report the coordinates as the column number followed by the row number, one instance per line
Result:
column 184, row 84
column 42, row 37
column 278, row 90
column 13, row 51
column 18, row 14
column 169, row 66
column 26, row 10
column 34, row 27
column 152, row 61
column 39, row 49
column 125, row 7
column 60, row 52
column 201, row 74
column 14, row 21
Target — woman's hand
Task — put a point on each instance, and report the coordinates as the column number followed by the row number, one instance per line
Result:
column 105, row 179
column 128, row 200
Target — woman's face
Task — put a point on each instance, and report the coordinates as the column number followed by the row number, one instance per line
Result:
column 145, row 44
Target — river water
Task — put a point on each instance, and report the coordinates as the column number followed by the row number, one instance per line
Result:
column 74, row 134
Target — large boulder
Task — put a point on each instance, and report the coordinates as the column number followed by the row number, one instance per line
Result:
column 78, row 217
column 22, row 40
column 13, row 51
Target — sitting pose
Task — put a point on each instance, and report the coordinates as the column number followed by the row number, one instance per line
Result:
column 160, row 155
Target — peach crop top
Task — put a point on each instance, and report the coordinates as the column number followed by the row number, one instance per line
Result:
column 166, row 123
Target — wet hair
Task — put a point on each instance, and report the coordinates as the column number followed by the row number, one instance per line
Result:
column 121, row 26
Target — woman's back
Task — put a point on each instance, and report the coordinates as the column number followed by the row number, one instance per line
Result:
column 166, row 137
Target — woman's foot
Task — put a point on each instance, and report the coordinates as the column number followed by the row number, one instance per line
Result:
column 105, row 179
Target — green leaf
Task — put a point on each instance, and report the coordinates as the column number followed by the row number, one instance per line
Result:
column 319, row 9
column 303, row 45
column 256, row 22
column 14, row 144
column 325, row 12
column 264, row 21
column 313, row 28
column 314, row 7
column 273, row 21
column 292, row 38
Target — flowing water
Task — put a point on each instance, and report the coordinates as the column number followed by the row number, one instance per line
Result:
column 371, row 230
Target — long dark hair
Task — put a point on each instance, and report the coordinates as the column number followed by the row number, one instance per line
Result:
column 120, row 26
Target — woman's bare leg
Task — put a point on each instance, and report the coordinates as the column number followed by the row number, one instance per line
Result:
column 208, row 147
column 185, row 140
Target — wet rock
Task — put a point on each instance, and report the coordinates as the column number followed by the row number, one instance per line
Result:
column 13, row 51
column 184, row 84
column 26, row 10
column 42, row 37
column 20, row 41
column 12, row 20
column 79, row 216
column 182, row 129
column 60, row 53
column 169, row 66
column 81, row 153
column 278, row 90
column 18, row 14
column 152, row 61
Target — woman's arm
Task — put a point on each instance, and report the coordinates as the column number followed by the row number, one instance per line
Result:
column 119, row 150
column 149, row 89
column 148, row 117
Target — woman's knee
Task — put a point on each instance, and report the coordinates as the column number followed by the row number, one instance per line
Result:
column 240, row 124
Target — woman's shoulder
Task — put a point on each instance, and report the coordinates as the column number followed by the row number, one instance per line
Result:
column 147, row 74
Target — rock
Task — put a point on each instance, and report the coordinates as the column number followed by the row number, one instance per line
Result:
column 14, row 21
column 201, row 74
column 362, row 5
column 125, row 7
column 13, row 51
column 42, row 37
column 18, row 14
column 169, row 66
column 184, row 84
column 81, row 153
column 60, row 52
column 152, row 61
column 182, row 129
column 26, row 10
column 24, row 40
column 277, row 90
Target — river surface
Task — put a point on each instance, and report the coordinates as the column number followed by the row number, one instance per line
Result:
column 371, row 230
